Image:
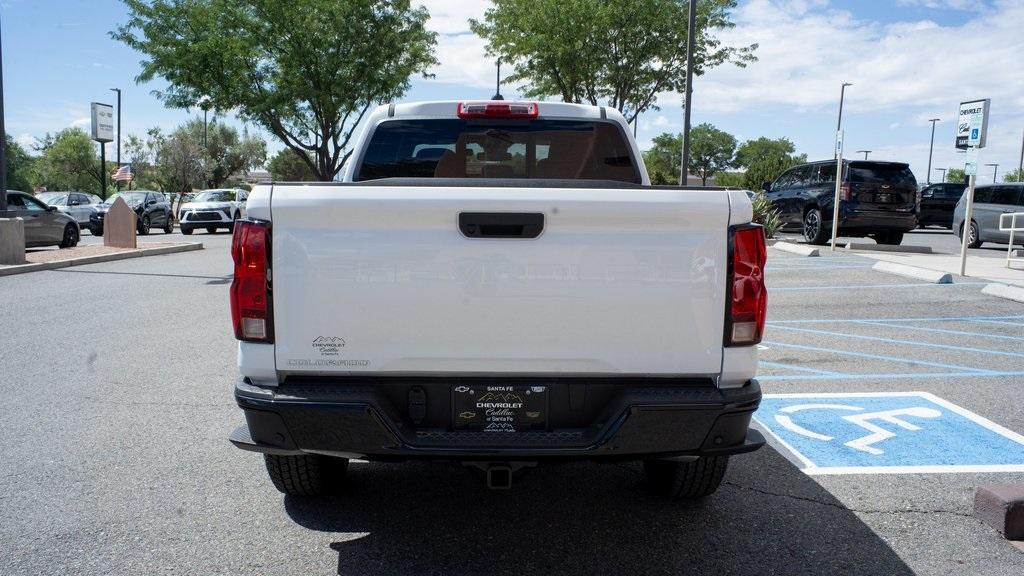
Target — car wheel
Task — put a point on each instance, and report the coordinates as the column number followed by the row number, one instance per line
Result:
column 185, row 230
column 211, row 229
column 97, row 232
column 814, row 228
column 169, row 226
column 307, row 474
column 70, row 238
column 973, row 240
column 889, row 237
column 686, row 480
column 144, row 225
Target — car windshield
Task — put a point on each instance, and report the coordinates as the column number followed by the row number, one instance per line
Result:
column 558, row 149
column 53, row 198
column 132, row 198
column 882, row 173
column 215, row 196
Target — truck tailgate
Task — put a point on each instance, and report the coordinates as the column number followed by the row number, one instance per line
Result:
column 379, row 279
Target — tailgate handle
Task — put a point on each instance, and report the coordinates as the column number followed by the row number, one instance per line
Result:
column 501, row 224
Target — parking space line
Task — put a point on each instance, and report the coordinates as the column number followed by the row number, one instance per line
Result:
column 915, row 285
column 908, row 342
column 941, row 330
column 925, row 319
column 800, row 368
column 987, row 321
column 885, row 376
column 966, row 370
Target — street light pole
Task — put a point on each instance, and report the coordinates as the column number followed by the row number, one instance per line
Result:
column 497, row 89
column 931, row 147
column 842, row 94
column 118, row 90
column 1020, row 167
column 995, row 168
column 865, row 153
column 691, row 37
column 3, row 142
column 839, row 167
column 943, row 170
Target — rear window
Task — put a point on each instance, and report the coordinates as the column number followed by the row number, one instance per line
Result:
column 451, row 148
column 881, row 173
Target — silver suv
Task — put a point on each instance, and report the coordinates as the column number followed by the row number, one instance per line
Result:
column 212, row 209
column 990, row 202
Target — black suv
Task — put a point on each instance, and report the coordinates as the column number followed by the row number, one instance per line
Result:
column 152, row 208
column 938, row 202
column 877, row 199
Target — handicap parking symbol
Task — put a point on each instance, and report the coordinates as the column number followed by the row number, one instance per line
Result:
column 886, row 432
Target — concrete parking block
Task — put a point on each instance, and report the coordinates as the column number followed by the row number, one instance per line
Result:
column 1001, row 506
column 1015, row 293
column 12, row 241
column 797, row 249
column 889, row 248
column 935, row 276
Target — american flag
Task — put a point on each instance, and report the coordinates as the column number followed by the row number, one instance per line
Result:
column 122, row 174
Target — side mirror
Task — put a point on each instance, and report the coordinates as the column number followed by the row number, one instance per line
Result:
column 151, row 202
column 51, row 208
column 766, row 186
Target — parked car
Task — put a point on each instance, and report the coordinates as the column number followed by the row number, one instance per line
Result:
column 44, row 225
column 937, row 204
column 152, row 208
column 212, row 209
column 877, row 199
column 460, row 296
column 78, row 205
column 990, row 202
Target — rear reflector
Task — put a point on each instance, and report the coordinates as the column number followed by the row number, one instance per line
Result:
column 748, row 304
column 498, row 110
column 250, row 289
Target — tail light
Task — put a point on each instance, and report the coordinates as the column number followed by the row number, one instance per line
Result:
column 525, row 110
column 844, row 191
column 250, row 290
column 748, row 297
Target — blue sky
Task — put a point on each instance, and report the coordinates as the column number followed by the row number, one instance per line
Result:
column 909, row 60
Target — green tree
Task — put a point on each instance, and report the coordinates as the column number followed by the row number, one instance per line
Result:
column 663, row 158
column 620, row 52
column 711, row 151
column 1014, row 176
column 69, row 162
column 225, row 152
column 286, row 165
column 767, row 170
column 730, row 179
column 955, row 175
column 180, row 161
column 753, row 151
column 305, row 70
column 19, row 166
column 766, row 214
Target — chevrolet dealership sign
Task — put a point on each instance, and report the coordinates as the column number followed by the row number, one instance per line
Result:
column 972, row 124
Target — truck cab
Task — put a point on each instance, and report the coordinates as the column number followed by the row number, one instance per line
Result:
column 497, row 283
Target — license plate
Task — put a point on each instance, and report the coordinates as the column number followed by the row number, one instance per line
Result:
column 883, row 198
column 499, row 408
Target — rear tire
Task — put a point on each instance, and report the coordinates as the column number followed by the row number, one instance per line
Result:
column 889, row 237
column 973, row 240
column 686, row 480
column 185, row 230
column 169, row 226
column 144, row 226
column 70, row 238
column 211, row 229
column 307, row 474
column 814, row 228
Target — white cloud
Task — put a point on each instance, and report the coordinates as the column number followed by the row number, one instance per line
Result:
column 81, row 122
column 462, row 54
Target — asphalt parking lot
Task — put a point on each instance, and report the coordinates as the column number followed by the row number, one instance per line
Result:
column 116, row 458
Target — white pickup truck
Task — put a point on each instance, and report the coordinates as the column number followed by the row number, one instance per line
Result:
column 497, row 283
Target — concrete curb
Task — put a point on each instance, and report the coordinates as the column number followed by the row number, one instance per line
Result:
column 1001, row 506
column 1015, row 293
column 797, row 249
column 934, row 276
column 888, row 248
column 25, row 268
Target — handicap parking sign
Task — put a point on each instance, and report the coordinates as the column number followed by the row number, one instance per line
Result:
column 886, row 432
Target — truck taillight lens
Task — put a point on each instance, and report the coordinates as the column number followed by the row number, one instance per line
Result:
column 498, row 110
column 748, row 297
column 250, row 290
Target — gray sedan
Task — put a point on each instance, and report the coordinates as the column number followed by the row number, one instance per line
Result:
column 78, row 205
column 44, row 225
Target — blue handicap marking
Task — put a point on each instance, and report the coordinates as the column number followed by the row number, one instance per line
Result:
column 880, row 432
column 974, row 133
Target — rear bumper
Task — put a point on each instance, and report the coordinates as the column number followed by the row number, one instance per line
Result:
column 869, row 220
column 641, row 421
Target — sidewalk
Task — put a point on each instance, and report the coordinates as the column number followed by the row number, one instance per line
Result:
column 92, row 254
column 981, row 268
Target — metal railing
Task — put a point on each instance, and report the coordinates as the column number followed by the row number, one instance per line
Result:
column 1012, row 228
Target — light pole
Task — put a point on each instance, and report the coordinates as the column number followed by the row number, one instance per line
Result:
column 1020, row 167
column 865, row 153
column 839, row 166
column 842, row 95
column 118, row 90
column 3, row 143
column 497, row 89
column 943, row 170
column 691, row 35
column 930, row 148
column 995, row 168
